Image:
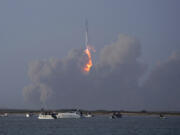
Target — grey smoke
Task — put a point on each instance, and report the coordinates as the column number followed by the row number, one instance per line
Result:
column 113, row 82
column 162, row 88
column 118, row 73
column 53, row 80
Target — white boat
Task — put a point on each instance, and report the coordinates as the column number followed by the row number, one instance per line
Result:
column 162, row 116
column 4, row 115
column 88, row 116
column 47, row 116
column 75, row 115
column 29, row 115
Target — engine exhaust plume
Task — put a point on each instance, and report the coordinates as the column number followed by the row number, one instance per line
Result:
column 87, row 51
column 88, row 64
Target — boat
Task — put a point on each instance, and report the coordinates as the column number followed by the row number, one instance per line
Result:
column 162, row 116
column 4, row 115
column 88, row 115
column 47, row 115
column 116, row 115
column 74, row 115
column 29, row 115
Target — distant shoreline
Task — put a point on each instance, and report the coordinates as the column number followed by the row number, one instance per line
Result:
column 94, row 112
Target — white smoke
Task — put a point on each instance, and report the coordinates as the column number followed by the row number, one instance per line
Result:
column 111, row 84
column 162, row 88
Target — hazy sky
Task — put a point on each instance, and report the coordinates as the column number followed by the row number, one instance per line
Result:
column 42, row 29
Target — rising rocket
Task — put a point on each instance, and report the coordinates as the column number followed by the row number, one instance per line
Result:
column 86, row 33
column 87, row 51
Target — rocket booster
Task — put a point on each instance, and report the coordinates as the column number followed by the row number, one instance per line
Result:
column 86, row 34
column 87, row 51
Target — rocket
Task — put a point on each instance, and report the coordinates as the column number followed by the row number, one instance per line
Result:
column 87, row 51
column 86, row 34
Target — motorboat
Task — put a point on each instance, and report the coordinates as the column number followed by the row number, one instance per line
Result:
column 74, row 115
column 162, row 116
column 4, row 115
column 28, row 115
column 116, row 115
column 88, row 115
column 47, row 115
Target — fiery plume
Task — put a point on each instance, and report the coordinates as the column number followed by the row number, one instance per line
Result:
column 88, row 64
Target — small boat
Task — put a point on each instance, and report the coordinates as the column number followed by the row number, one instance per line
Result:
column 88, row 115
column 116, row 115
column 29, row 115
column 47, row 115
column 162, row 116
column 4, row 115
column 74, row 115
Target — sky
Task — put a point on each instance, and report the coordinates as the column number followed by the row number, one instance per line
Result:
column 135, row 64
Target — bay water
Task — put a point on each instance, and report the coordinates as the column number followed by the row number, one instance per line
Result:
column 100, row 125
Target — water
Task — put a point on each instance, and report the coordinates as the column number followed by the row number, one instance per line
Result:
column 19, row 125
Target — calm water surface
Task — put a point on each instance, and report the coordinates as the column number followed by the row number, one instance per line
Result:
column 19, row 125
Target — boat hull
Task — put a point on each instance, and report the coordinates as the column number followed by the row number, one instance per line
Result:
column 68, row 115
column 45, row 117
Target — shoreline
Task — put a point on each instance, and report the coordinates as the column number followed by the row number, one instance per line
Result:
column 93, row 112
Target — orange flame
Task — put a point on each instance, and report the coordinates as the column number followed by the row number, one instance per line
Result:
column 88, row 64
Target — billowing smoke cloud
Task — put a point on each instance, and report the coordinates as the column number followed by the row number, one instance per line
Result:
column 162, row 88
column 118, row 73
column 112, row 82
column 56, row 81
